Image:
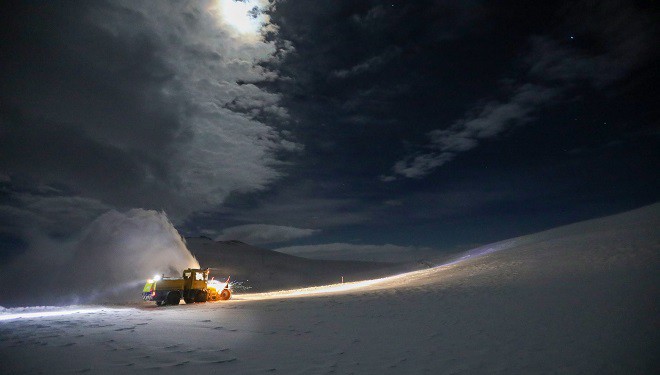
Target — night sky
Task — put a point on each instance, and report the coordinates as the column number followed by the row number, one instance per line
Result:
column 348, row 129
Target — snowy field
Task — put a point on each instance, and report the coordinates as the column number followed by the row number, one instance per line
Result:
column 580, row 299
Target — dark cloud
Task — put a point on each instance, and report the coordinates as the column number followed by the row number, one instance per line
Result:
column 258, row 234
column 609, row 39
column 622, row 36
column 369, row 64
column 56, row 215
column 304, row 211
column 488, row 121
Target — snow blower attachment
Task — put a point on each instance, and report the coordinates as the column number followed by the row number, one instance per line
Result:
column 194, row 286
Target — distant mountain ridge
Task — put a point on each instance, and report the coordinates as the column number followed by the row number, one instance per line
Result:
column 268, row 270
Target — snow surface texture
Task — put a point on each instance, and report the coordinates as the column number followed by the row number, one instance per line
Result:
column 111, row 257
column 577, row 299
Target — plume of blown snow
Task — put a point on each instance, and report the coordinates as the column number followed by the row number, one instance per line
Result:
column 109, row 262
column 119, row 250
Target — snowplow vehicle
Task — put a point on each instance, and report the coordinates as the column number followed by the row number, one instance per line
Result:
column 193, row 286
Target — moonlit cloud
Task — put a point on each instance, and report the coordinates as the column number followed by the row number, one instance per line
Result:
column 241, row 16
column 158, row 115
column 222, row 150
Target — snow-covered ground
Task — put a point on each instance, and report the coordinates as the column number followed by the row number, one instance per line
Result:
column 577, row 299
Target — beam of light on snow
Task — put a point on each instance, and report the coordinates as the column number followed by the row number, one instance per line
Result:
column 481, row 251
column 312, row 290
column 47, row 314
column 336, row 288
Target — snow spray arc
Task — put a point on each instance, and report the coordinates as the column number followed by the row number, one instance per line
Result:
column 117, row 250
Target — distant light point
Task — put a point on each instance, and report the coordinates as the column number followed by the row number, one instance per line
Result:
column 572, row 37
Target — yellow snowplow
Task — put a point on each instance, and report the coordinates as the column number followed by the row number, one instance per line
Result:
column 193, row 286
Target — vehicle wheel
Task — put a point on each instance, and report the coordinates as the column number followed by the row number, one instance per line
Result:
column 173, row 298
column 188, row 300
column 213, row 296
column 158, row 303
column 200, row 296
column 225, row 295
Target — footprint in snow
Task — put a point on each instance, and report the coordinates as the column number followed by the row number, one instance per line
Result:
column 224, row 360
column 125, row 329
